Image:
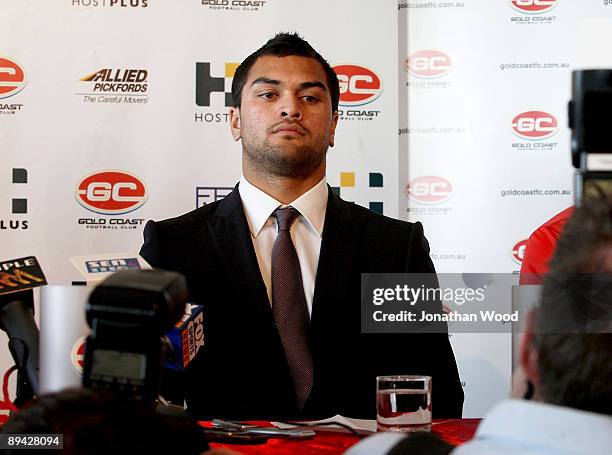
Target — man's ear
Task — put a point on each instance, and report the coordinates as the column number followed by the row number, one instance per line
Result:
column 332, row 130
column 529, row 353
column 234, row 117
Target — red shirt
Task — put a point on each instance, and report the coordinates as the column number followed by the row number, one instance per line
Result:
column 540, row 247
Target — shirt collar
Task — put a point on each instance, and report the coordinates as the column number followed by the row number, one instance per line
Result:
column 547, row 425
column 258, row 206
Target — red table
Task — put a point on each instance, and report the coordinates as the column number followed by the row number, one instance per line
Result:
column 454, row 431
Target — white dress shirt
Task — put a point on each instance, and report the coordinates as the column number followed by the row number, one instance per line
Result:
column 530, row 428
column 306, row 230
column 521, row 427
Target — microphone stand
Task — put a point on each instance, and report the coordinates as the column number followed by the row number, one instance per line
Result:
column 24, row 391
column 17, row 320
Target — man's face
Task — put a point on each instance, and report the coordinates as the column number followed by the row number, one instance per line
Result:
column 285, row 119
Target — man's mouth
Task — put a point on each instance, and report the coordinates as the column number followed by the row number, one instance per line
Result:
column 289, row 128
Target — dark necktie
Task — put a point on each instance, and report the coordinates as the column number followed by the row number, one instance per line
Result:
column 289, row 305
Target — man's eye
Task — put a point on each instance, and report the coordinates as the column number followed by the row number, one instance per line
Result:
column 267, row 95
column 310, row 99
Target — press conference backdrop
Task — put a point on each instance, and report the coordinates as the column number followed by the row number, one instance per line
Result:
column 125, row 102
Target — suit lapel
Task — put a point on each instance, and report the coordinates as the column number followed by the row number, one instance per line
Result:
column 230, row 234
column 337, row 257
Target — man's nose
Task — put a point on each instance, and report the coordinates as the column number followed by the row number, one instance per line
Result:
column 291, row 108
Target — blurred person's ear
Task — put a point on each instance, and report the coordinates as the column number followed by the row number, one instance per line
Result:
column 529, row 354
column 520, row 383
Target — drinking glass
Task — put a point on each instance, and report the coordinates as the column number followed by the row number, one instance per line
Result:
column 403, row 403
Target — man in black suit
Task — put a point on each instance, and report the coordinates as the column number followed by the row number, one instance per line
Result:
column 277, row 263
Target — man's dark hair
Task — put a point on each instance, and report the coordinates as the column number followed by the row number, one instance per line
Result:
column 284, row 45
column 574, row 365
column 95, row 423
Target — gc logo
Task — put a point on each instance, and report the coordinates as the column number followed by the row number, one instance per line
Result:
column 429, row 189
column 429, row 64
column 535, row 125
column 358, row 85
column 111, row 192
column 533, row 6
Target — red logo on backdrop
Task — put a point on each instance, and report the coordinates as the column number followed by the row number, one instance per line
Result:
column 518, row 251
column 358, row 85
column 429, row 189
column 535, row 125
column 533, row 6
column 12, row 78
column 77, row 355
column 429, row 64
column 111, row 192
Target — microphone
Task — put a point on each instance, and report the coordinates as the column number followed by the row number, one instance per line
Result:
column 185, row 338
column 17, row 279
column 20, row 275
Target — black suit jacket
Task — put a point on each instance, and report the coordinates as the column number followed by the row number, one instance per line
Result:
column 241, row 372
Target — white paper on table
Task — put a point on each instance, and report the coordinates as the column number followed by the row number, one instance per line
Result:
column 360, row 425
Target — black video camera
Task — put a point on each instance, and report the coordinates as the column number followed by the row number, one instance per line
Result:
column 129, row 313
column 591, row 128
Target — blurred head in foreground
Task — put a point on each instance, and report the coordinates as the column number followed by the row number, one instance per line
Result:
column 97, row 423
column 567, row 351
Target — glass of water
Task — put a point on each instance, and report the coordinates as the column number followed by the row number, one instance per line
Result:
column 403, row 403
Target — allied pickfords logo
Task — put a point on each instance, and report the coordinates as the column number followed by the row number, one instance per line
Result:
column 111, row 3
column 12, row 81
column 111, row 193
column 234, row 5
column 427, row 68
column 112, row 265
column 431, row 191
column 533, row 11
column 518, row 251
column 535, row 128
column 115, row 86
column 213, row 91
column 359, row 86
